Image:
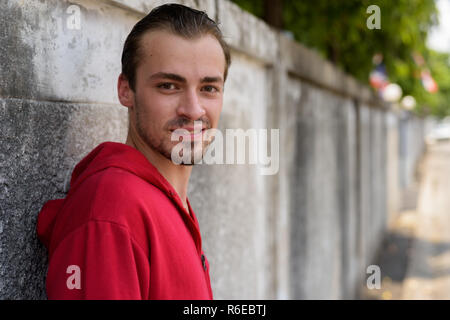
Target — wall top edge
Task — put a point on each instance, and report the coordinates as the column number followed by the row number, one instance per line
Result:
column 250, row 35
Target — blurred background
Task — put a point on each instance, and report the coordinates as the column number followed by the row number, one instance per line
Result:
column 405, row 59
column 410, row 48
column 359, row 91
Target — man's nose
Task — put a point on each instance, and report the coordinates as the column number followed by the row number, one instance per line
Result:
column 191, row 106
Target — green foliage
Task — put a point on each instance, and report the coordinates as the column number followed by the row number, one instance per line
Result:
column 338, row 30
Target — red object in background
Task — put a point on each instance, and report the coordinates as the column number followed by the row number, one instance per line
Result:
column 428, row 82
column 126, row 230
column 378, row 80
column 378, row 77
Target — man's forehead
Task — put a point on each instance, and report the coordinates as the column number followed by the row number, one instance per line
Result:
column 155, row 40
column 163, row 51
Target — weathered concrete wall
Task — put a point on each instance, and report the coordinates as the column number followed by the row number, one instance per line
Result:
column 309, row 231
column 41, row 142
column 320, row 193
column 392, row 171
column 411, row 130
column 406, row 134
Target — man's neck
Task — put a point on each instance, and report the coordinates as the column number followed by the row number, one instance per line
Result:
column 176, row 175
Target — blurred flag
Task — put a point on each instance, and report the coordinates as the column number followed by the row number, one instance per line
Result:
column 428, row 82
column 378, row 77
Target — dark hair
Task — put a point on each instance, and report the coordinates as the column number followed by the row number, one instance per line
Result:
column 181, row 20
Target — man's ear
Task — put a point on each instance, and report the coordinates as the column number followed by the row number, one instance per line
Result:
column 126, row 95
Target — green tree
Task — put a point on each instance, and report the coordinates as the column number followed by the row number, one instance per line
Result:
column 338, row 30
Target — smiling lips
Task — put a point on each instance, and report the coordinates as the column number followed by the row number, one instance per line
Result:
column 194, row 132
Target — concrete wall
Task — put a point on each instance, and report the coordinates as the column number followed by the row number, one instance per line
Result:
column 411, row 130
column 309, row 231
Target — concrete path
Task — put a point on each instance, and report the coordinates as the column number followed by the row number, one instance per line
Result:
column 415, row 256
column 428, row 275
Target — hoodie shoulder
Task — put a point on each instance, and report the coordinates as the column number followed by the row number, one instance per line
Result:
column 113, row 195
column 113, row 183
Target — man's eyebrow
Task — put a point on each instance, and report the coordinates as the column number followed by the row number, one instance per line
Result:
column 211, row 79
column 176, row 77
column 171, row 76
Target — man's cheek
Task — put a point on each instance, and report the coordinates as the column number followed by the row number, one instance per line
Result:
column 215, row 120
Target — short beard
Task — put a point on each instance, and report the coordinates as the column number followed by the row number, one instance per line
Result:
column 164, row 147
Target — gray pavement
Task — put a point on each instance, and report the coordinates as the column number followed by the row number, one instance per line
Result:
column 415, row 257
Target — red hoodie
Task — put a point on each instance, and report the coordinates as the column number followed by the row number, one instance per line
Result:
column 122, row 232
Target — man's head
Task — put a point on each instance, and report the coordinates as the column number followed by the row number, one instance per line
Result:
column 174, row 65
column 180, row 20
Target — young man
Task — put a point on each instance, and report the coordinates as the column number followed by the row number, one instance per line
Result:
column 126, row 229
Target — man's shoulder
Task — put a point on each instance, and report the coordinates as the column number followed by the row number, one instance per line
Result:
column 110, row 198
column 115, row 195
column 118, row 182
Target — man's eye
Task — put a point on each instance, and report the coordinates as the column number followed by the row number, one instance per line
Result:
column 166, row 86
column 210, row 89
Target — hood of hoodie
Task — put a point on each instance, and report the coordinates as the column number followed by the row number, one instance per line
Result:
column 107, row 155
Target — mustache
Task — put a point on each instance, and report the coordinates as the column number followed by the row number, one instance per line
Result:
column 181, row 122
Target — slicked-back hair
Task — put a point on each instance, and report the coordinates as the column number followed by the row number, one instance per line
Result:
column 178, row 19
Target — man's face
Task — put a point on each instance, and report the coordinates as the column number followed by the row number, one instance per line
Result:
column 178, row 81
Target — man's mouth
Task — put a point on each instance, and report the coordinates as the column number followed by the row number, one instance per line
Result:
column 190, row 133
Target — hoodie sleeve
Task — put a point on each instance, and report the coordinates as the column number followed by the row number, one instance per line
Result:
column 98, row 261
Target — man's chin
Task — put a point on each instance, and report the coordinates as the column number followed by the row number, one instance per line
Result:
column 187, row 164
column 193, row 158
column 193, row 161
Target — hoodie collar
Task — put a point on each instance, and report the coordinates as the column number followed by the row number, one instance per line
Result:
column 120, row 155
